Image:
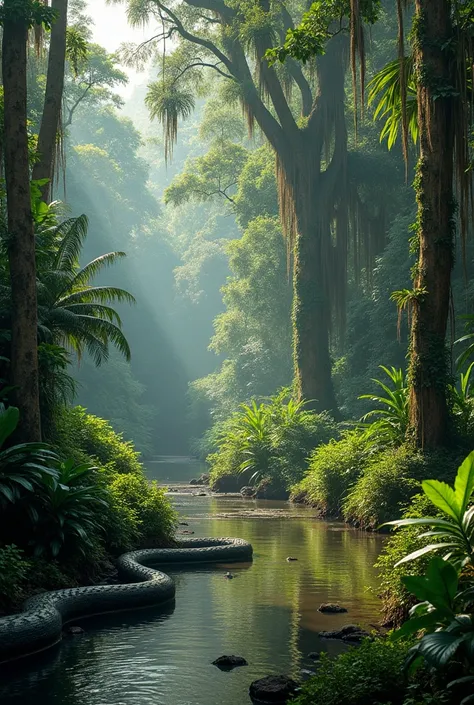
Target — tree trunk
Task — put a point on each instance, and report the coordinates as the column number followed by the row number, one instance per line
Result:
column 311, row 302
column 428, row 369
column 50, row 123
column 21, row 243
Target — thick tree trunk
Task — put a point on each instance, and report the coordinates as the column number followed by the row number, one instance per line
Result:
column 312, row 317
column 436, row 212
column 21, row 245
column 50, row 123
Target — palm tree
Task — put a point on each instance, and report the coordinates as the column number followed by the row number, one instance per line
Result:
column 71, row 311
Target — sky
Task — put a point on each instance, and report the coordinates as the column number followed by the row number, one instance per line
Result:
column 111, row 29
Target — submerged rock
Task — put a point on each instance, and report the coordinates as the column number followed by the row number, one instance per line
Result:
column 273, row 689
column 329, row 608
column 74, row 631
column 314, row 655
column 247, row 491
column 350, row 633
column 227, row 663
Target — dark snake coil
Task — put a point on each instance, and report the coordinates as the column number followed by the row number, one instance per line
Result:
column 40, row 623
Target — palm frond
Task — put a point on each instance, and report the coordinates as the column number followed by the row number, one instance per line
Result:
column 385, row 92
column 72, row 233
column 90, row 270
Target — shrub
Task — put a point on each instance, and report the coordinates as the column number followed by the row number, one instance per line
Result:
column 69, row 511
column 14, row 571
column 389, row 481
column 371, row 673
column 82, row 436
column 333, row 469
column 267, row 444
column 143, row 513
column 396, row 599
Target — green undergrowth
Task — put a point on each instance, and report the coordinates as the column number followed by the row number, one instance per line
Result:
column 82, row 524
column 369, row 674
column 267, row 445
column 366, row 486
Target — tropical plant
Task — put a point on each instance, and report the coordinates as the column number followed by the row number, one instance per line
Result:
column 24, row 467
column 391, row 420
column 385, row 94
column 57, row 387
column 454, row 535
column 445, row 616
column 269, row 442
column 68, row 511
column 461, row 401
column 71, row 311
column 468, row 351
column 14, row 569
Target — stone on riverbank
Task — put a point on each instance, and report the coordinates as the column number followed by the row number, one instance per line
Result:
column 247, row 491
column 329, row 608
column 273, row 689
column 350, row 633
column 227, row 663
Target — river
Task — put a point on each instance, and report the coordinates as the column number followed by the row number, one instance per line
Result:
column 268, row 614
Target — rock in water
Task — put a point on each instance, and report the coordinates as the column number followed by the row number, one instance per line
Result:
column 229, row 576
column 75, row 631
column 314, row 655
column 194, row 481
column 290, row 559
column 247, row 491
column 273, row 689
column 227, row 663
column 351, row 632
column 329, row 608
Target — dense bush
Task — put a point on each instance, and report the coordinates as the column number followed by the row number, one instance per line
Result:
column 83, row 436
column 333, row 469
column 14, row 570
column 371, row 673
column 396, row 601
column 68, row 516
column 390, row 480
column 142, row 513
column 268, row 444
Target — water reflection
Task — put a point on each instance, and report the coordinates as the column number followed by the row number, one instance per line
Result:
column 268, row 614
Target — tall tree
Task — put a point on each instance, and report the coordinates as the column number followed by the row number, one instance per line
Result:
column 311, row 152
column 433, row 32
column 16, row 18
column 50, row 123
column 427, row 95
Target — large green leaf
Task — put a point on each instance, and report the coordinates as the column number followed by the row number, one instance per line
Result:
column 8, row 422
column 439, row 648
column 423, row 551
column 442, row 496
column 464, row 483
column 438, row 586
column 414, row 625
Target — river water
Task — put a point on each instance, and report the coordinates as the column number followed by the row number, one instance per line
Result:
column 268, row 614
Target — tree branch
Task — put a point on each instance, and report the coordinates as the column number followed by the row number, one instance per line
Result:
column 206, row 43
column 74, row 107
column 204, row 65
column 294, row 67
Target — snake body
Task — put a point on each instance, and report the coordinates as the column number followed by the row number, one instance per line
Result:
column 40, row 623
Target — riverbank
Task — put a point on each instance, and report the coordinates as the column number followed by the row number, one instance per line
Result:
column 268, row 614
